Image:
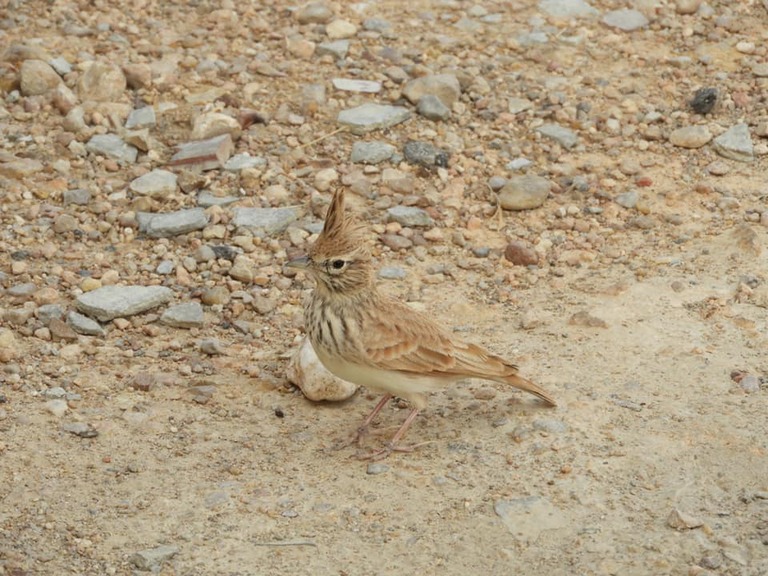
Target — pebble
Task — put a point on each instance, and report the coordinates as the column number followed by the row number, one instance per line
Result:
column 690, row 136
column 337, row 49
column 687, row 6
column 750, row 384
column 102, row 82
column 369, row 117
column 518, row 164
column 205, row 199
column 314, row 13
column 680, row 520
column 152, row 559
column 526, row 518
column 425, row 154
column 20, row 168
column 409, row 216
column 57, row 407
column 625, row 19
column 112, row 146
column 587, row 320
column 316, row 383
column 186, row 315
column 517, row 105
column 524, row 192
column 157, row 184
column 82, row 429
column 212, row 124
column 339, row 29
column 521, row 253
column 445, row 87
column 8, row 346
column 266, row 221
column 169, row 224
column 64, row 223
column 216, row 295
column 61, row 65
column 704, row 100
column 84, row 325
column 392, row 272
column 37, row 77
column 244, row 161
column 110, row 302
column 375, row 468
column 628, row 199
column 432, row 108
column 373, row 152
column 143, row 117
column 566, row 137
column 61, row 331
column 355, row 85
column 201, row 155
column 567, row 9
column 497, row 183
column 78, row 196
column 735, row 144
column 212, row 347
column 165, row 267
column 324, row 178
column 48, row 312
column 396, row 242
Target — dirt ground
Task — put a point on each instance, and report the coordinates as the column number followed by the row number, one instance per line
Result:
column 640, row 321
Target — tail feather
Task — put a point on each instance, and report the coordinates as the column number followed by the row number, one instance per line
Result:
column 524, row 384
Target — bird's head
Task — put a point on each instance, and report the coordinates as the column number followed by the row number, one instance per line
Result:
column 340, row 258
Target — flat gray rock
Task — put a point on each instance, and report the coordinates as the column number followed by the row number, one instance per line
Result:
column 204, row 154
column 186, row 315
column 625, row 19
column 370, row 117
column 205, row 199
column 172, row 223
column 78, row 196
column 141, row 118
column 110, row 302
column 566, row 137
column 409, row 216
column 371, row 152
column 242, row 161
column 157, row 183
column 112, row 146
column 735, row 143
column 432, row 108
column 567, row 9
column 153, row 558
column 266, row 220
column 337, row 49
column 84, row 325
column 355, row 85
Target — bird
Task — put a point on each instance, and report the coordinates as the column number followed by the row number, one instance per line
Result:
column 371, row 339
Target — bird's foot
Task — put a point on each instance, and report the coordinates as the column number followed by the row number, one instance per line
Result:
column 388, row 449
column 356, row 438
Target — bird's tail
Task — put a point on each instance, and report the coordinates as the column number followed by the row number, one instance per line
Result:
column 524, row 384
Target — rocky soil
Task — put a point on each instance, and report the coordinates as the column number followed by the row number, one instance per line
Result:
column 580, row 186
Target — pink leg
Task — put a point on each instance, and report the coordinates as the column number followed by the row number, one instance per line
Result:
column 392, row 445
column 363, row 428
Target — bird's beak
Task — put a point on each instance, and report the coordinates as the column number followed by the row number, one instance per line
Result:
column 300, row 263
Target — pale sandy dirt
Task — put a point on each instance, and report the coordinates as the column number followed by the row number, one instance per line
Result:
column 649, row 420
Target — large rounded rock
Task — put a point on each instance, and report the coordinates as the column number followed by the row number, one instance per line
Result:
column 313, row 379
column 524, row 193
column 37, row 77
column 102, row 82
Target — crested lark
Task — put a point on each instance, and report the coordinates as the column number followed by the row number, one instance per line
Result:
column 367, row 338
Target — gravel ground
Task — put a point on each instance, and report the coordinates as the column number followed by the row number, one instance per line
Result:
column 578, row 186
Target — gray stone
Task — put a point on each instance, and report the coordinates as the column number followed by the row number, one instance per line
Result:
column 432, row 108
column 371, row 152
column 158, row 184
column 369, row 117
column 517, row 105
column 524, row 192
column 314, row 13
column 102, row 82
column 425, row 154
column 204, row 154
column 152, row 559
column 61, row 65
column 526, row 518
column 22, row 290
column 48, row 312
column 392, row 273
column 242, row 161
column 409, row 216
column 497, row 183
column 375, row 468
column 266, row 220
column 110, row 302
column 518, row 164
column 186, row 315
column 445, row 86
column 57, row 407
column 84, row 325
column 55, row 392
column 141, row 118
column 81, row 429
column 337, row 49
column 206, row 199
column 172, row 223
column 628, row 199
column 354, row 85
column 690, row 136
column 735, row 143
column 566, row 137
column 37, row 77
column 112, row 146
column 567, row 9
column 79, row 196
column 625, row 19
column 165, row 267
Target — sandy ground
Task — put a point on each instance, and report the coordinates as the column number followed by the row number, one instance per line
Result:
column 654, row 461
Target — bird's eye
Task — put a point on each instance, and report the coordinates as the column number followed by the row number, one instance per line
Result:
column 337, row 264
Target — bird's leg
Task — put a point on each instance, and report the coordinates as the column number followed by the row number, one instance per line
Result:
column 393, row 445
column 362, row 430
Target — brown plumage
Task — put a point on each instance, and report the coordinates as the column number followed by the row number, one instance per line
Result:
column 373, row 340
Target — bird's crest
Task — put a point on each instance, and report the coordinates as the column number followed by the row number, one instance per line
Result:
column 342, row 234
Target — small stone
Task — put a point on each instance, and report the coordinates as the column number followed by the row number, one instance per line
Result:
column 760, row 69
column 316, row 383
column 112, row 146
column 61, row 65
column 339, row 29
column 566, row 137
column 396, row 242
column 241, row 272
column 409, row 216
column 165, row 267
column 244, row 161
column 61, row 331
column 152, row 559
column 266, row 221
column 587, row 320
column 212, row 124
column 264, row 305
column 680, row 520
column 687, row 6
column 690, row 136
column 212, row 347
column 398, row 181
column 138, row 75
column 704, row 100
column 314, row 13
column 371, row 152
column 521, row 253
column 735, row 144
column 81, row 429
column 204, row 155
column 64, row 223
column 568, row 9
column 57, row 407
column 171, row 224
column 48, row 312
column 628, row 199
column 718, row 168
column 375, row 468
column 102, row 82
column 369, row 117
column 497, row 182
column 84, row 325
column 524, row 192
column 186, row 315
column 432, row 108
column 517, row 105
column 216, row 295
column 79, row 197
column 20, row 168
column 750, row 384
column 425, row 154
column 110, row 302
column 355, row 85
column 8, row 347
column 337, row 49
column 157, row 184
column 625, row 19
column 37, row 77
column 324, row 178
column 392, row 272
column 141, row 118
column 445, row 87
